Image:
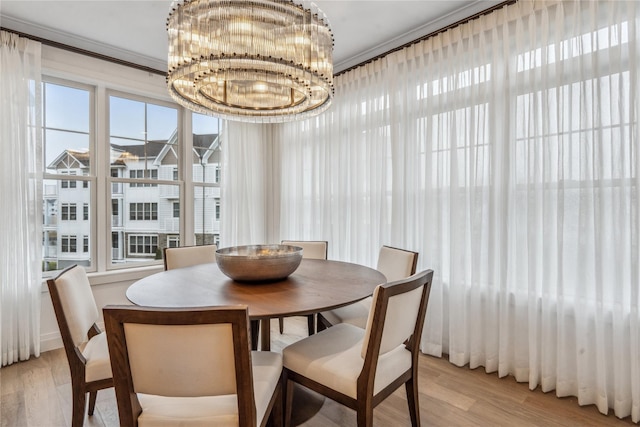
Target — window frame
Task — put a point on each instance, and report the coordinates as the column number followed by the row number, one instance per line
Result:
column 142, row 236
column 137, row 184
column 120, row 81
column 64, row 183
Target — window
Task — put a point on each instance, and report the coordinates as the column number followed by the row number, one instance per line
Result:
column 139, row 158
column 68, row 212
column 145, row 147
column 143, row 211
column 65, row 183
column 68, row 244
column 143, row 245
column 173, row 241
column 67, row 138
column 141, row 174
column 206, row 177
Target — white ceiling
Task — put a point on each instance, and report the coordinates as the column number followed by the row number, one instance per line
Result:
column 134, row 31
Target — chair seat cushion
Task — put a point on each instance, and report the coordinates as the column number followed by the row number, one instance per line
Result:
column 355, row 314
column 332, row 358
column 213, row 410
column 96, row 351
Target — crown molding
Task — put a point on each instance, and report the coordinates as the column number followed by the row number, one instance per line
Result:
column 80, row 43
column 430, row 27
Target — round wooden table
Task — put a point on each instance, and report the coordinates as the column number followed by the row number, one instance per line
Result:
column 317, row 285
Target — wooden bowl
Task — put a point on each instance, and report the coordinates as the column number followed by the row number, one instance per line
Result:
column 259, row 263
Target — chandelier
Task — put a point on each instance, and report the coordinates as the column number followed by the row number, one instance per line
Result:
column 250, row 60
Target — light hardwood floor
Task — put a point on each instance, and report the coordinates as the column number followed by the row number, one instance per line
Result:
column 38, row 393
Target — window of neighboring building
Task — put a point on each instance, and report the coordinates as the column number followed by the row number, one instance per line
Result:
column 143, row 244
column 85, row 244
column 68, row 212
column 143, row 211
column 173, row 241
column 176, row 210
column 65, row 183
column 68, row 244
column 141, row 174
column 85, row 212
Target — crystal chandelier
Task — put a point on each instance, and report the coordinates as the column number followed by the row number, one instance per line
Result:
column 250, row 60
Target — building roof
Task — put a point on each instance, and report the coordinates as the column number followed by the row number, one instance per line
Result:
column 74, row 159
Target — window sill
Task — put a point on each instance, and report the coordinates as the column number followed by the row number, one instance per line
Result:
column 116, row 276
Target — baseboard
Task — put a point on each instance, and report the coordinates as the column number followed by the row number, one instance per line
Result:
column 51, row 341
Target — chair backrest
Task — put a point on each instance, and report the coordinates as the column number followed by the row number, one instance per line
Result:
column 311, row 249
column 397, row 315
column 396, row 263
column 74, row 305
column 147, row 348
column 186, row 256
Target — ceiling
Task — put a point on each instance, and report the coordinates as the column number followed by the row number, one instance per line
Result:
column 134, row 31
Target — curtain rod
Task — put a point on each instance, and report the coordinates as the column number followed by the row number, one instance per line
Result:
column 85, row 52
column 428, row 36
column 164, row 73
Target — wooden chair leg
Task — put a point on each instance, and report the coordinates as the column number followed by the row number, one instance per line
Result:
column 92, row 401
column 281, row 324
column 277, row 412
column 311, row 326
column 411, row 388
column 255, row 329
column 79, row 406
column 288, row 400
column 365, row 417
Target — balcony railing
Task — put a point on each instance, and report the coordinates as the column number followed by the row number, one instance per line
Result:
column 50, row 221
column 169, row 191
column 116, row 254
column 50, row 252
column 50, row 190
column 117, row 188
column 116, row 220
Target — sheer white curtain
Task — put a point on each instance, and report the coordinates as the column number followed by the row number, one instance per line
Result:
column 505, row 151
column 20, row 228
column 245, row 184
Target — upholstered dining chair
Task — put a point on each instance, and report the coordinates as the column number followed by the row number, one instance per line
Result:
column 359, row 368
column 84, row 343
column 164, row 375
column 186, row 256
column 311, row 249
column 395, row 264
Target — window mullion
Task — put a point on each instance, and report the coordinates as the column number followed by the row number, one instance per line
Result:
column 101, row 203
column 187, row 208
